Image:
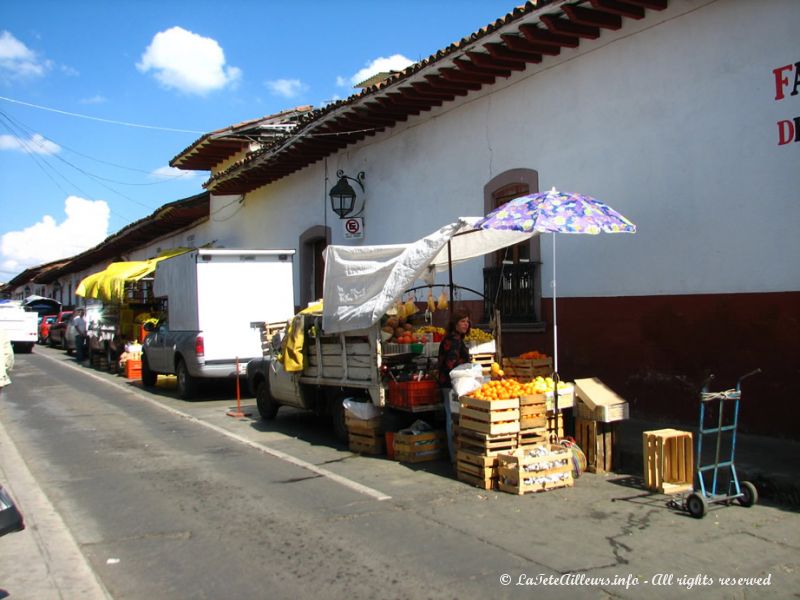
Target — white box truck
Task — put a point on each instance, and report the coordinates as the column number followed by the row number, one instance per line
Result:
column 21, row 325
column 212, row 297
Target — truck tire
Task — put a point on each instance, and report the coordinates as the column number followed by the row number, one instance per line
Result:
column 149, row 377
column 187, row 385
column 266, row 404
column 337, row 418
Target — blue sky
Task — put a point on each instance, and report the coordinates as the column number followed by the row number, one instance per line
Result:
column 148, row 78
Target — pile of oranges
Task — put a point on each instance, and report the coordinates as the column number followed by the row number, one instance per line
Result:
column 533, row 354
column 503, row 389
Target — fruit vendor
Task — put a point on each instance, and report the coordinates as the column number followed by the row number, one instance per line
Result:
column 453, row 351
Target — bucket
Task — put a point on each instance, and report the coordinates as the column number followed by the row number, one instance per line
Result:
column 390, row 444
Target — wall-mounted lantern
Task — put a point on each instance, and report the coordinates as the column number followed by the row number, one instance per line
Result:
column 343, row 196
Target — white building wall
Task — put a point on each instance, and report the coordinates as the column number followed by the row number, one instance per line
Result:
column 671, row 120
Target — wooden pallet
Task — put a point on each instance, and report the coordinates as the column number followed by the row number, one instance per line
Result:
column 668, row 460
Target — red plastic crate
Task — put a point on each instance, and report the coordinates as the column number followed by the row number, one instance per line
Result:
column 409, row 394
column 133, row 369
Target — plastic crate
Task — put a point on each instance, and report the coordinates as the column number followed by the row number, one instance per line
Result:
column 133, row 369
column 410, row 394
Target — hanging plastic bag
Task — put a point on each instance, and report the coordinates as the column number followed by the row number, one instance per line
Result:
column 431, row 302
column 411, row 307
column 442, row 304
column 401, row 310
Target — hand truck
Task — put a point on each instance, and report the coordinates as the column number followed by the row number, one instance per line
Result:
column 743, row 492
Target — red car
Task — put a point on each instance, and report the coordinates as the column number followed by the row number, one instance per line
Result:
column 44, row 327
column 58, row 330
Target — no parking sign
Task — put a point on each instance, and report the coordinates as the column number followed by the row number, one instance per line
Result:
column 354, row 228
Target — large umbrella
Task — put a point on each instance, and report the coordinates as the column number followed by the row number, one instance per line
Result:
column 556, row 212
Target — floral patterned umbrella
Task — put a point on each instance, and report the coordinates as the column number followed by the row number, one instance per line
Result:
column 556, row 212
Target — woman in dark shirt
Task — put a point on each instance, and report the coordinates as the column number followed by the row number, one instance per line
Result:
column 453, row 351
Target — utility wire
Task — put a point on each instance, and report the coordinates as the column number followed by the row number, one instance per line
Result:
column 111, row 121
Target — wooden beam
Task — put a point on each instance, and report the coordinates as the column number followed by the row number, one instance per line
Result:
column 410, row 96
column 444, row 84
column 501, row 52
column 469, row 67
column 592, row 18
column 485, row 60
column 456, row 75
column 653, row 4
column 520, row 47
column 617, row 7
column 544, row 37
column 557, row 25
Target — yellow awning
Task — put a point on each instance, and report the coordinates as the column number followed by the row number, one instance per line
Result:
column 109, row 285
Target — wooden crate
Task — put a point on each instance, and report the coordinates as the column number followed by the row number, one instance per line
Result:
column 485, row 444
column 597, row 402
column 535, row 469
column 596, row 439
column 419, row 447
column 532, row 412
column 367, row 444
column 363, row 426
column 555, row 426
column 489, row 416
column 668, row 460
column 526, row 369
column 533, row 437
column 476, row 469
column 485, row 360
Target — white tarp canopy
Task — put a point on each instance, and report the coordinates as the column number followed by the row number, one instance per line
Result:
column 362, row 282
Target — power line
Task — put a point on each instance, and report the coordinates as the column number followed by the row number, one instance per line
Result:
column 111, row 121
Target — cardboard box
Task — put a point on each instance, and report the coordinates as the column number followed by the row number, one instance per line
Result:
column 602, row 403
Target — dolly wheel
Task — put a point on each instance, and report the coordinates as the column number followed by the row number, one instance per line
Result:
column 749, row 494
column 696, row 505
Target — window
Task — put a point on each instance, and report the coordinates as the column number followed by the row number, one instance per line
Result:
column 312, row 268
column 511, row 276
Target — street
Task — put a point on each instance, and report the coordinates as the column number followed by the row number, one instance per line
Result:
column 172, row 499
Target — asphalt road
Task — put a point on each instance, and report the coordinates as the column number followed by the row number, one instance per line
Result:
column 171, row 499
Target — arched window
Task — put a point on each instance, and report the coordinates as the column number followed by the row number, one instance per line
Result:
column 512, row 277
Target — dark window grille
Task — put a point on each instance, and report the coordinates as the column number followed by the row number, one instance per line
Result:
column 516, row 299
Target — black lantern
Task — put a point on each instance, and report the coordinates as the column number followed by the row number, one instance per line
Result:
column 343, row 196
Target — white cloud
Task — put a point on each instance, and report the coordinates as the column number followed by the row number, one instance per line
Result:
column 188, row 62
column 172, row 173
column 19, row 61
column 396, row 62
column 86, row 226
column 342, row 81
column 36, row 144
column 288, row 88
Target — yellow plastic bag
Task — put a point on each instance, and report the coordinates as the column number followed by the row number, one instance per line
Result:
column 442, row 304
column 431, row 302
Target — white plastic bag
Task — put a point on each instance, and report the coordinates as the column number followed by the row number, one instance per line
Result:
column 361, row 410
column 466, row 378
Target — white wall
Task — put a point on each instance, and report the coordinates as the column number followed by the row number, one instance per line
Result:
column 671, row 120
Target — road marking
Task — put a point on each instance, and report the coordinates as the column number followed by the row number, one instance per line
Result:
column 299, row 462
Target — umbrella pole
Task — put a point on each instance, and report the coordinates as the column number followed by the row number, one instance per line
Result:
column 450, row 273
column 555, row 340
column 555, row 319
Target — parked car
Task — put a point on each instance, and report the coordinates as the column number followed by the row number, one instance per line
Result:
column 44, row 327
column 58, row 330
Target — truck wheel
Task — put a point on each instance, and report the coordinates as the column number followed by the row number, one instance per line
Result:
column 337, row 417
column 187, row 385
column 266, row 404
column 149, row 377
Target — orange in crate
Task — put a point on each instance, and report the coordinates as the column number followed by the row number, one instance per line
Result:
column 133, row 369
column 409, row 394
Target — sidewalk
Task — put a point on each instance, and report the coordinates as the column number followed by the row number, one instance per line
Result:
column 43, row 560
column 771, row 464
